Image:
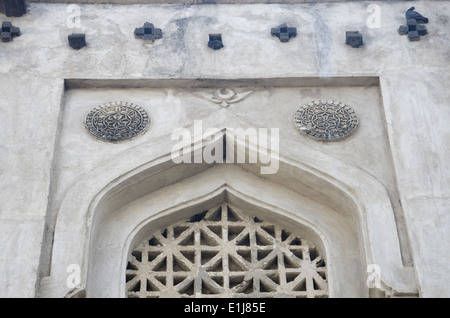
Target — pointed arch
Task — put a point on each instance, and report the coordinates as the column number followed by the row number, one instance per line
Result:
column 349, row 196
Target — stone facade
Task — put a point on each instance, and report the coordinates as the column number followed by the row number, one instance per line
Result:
column 342, row 190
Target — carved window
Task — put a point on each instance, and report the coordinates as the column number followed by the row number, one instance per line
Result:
column 225, row 253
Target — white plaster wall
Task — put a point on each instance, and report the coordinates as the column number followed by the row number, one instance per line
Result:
column 413, row 77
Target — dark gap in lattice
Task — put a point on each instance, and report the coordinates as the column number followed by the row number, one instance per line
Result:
column 262, row 240
column 154, row 242
column 316, row 286
column 285, row 235
column 274, row 277
column 178, row 230
column 313, row 254
column 216, row 215
column 151, row 255
column 321, row 263
column 257, row 220
column 188, row 240
column 178, row 279
column 232, row 217
column 323, row 275
column 161, row 266
column 288, row 263
column 234, row 266
column 301, row 286
column 262, row 254
column 188, row 289
column 234, row 231
column 271, row 264
column 270, row 229
column 197, row 217
column 219, row 280
column 264, row 287
column 244, row 241
column 216, row 267
column 179, row 266
column 208, row 290
column 297, row 252
column 131, row 266
column 206, row 239
column 206, row 256
column 136, row 287
column 248, row 288
column 161, row 279
column 137, row 255
column 216, row 229
column 245, row 254
column 296, row 241
column 291, row 276
column 129, row 277
column 236, row 281
column 241, row 285
column 151, row 286
column 190, row 255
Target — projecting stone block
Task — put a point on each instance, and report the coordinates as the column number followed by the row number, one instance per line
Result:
column 9, row 32
column 284, row 33
column 353, row 38
column 13, row 8
column 421, row 29
column 215, row 41
column 413, row 28
column 403, row 30
column 148, row 32
column 6, row 26
column 6, row 37
column 412, row 24
column 413, row 36
column 77, row 41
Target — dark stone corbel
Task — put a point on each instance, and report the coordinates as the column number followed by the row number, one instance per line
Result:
column 353, row 38
column 9, row 32
column 284, row 33
column 77, row 41
column 413, row 28
column 215, row 41
column 148, row 33
column 13, row 8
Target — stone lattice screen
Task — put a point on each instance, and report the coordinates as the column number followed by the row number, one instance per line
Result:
column 225, row 253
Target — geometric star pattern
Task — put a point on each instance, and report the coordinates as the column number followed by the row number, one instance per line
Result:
column 223, row 252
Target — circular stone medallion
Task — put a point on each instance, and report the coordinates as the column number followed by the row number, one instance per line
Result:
column 116, row 121
column 326, row 120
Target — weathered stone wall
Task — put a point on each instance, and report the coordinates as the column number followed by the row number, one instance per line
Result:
column 404, row 135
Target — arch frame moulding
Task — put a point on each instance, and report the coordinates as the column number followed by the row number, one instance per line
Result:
column 362, row 210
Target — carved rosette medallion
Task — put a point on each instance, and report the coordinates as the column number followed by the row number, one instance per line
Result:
column 326, row 120
column 116, row 121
